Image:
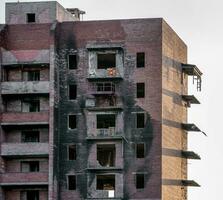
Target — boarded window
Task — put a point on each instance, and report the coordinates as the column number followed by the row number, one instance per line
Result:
column 106, row 155
column 30, row 136
column 106, row 121
column 72, row 152
column 71, row 182
column 72, row 121
column 33, row 75
column 140, row 120
column 140, row 59
column 105, row 182
column 140, row 181
column 30, row 166
column 106, row 61
column 140, row 90
column 31, row 17
column 72, row 92
column 72, row 61
column 140, row 150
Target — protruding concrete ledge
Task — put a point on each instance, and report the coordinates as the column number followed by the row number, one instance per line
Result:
column 25, row 149
column 30, row 178
column 19, row 118
column 28, row 87
column 179, row 182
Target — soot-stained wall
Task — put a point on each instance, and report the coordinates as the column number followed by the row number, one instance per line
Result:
column 141, row 35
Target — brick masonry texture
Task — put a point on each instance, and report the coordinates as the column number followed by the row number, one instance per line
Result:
column 162, row 75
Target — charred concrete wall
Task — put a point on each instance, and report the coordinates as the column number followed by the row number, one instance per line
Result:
column 134, row 36
column 174, row 112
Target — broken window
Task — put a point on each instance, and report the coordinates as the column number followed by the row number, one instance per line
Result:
column 140, row 181
column 33, row 75
column 106, row 155
column 72, row 121
column 31, row 105
column 31, row 17
column 72, row 92
column 72, row 61
column 30, row 136
column 106, row 60
column 140, row 150
column 71, row 182
column 140, row 120
column 140, row 57
column 105, row 182
column 140, row 90
column 72, row 152
column 30, row 166
column 105, row 121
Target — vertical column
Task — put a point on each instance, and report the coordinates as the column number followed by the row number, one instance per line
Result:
column 52, row 193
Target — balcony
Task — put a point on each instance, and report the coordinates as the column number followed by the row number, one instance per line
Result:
column 25, row 149
column 105, row 186
column 190, row 99
column 106, row 64
column 19, row 118
column 102, row 88
column 31, row 178
column 193, row 70
column 107, row 102
column 106, row 156
column 28, row 87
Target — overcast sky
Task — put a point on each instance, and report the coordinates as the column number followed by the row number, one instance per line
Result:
column 199, row 24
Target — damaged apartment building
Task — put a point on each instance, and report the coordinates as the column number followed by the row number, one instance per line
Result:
column 92, row 109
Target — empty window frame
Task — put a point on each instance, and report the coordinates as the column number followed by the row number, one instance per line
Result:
column 140, row 89
column 72, row 154
column 30, row 166
column 31, row 17
column 106, row 155
column 106, row 60
column 72, row 121
column 72, row 92
column 140, row 59
column 72, row 61
column 105, row 182
column 71, row 182
column 33, row 75
column 31, row 105
column 140, row 150
column 140, row 120
column 105, row 121
column 140, row 181
column 30, row 136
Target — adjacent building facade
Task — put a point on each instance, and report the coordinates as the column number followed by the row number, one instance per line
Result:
column 92, row 109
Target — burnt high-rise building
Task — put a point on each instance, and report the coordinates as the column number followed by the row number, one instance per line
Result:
column 92, row 109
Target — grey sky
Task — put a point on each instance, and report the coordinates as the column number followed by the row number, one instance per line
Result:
column 199, row 24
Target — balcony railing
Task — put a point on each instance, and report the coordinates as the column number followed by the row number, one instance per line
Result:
column 102, row 88
column 25, row 87
column 106, row 132
column 30, row 178
column 25, row 149
column 109, row 73
column 17, row 118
